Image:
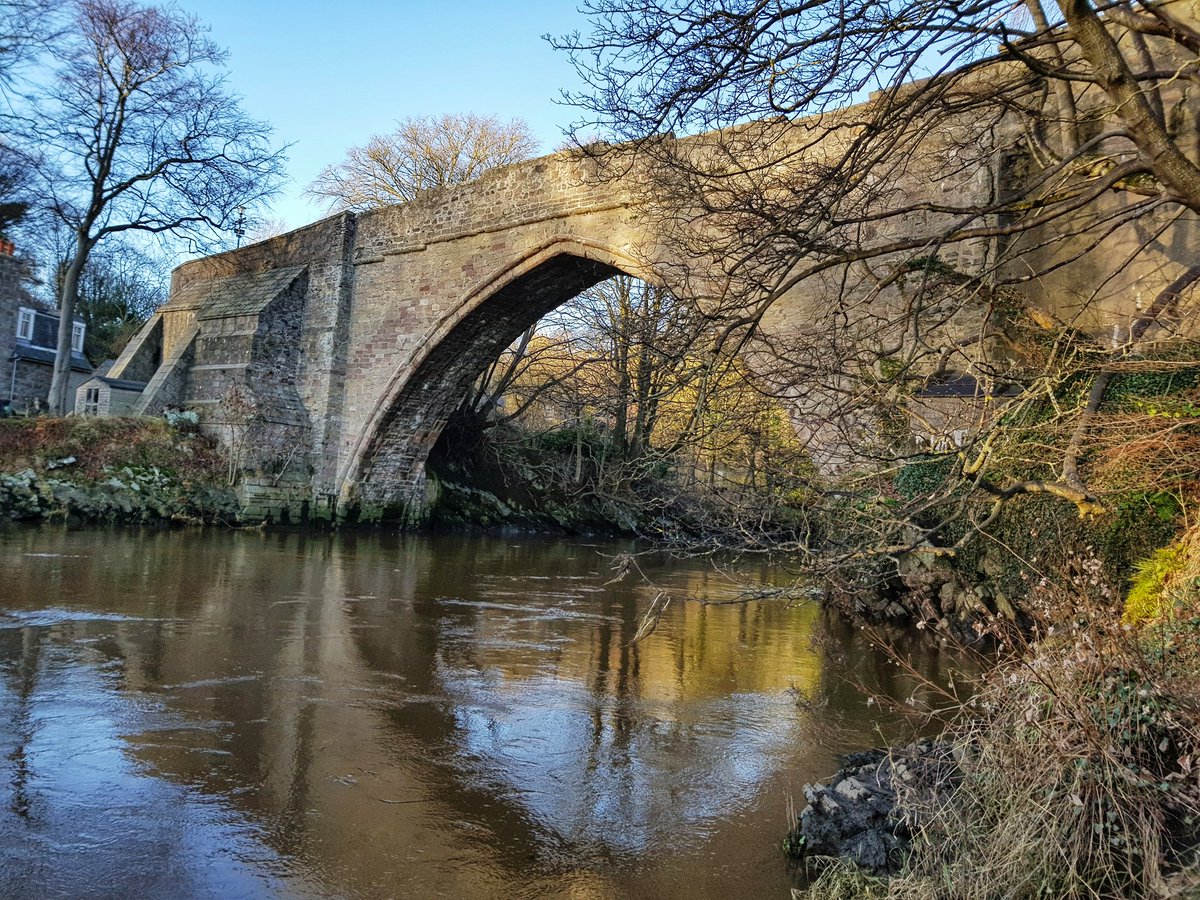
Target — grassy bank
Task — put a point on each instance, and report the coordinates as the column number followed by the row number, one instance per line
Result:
column 1079, row 756
column 111, row 470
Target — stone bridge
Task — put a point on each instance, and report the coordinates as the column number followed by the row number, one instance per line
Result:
column 328, row 359
column 342, row 347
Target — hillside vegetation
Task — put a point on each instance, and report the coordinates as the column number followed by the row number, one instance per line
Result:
column 112, row 470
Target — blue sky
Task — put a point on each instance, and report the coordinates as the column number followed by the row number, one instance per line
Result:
column 328, row 76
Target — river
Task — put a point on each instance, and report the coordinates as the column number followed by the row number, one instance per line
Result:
column 216, row 714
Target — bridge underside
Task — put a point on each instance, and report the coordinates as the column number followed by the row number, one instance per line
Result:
column 391, row 484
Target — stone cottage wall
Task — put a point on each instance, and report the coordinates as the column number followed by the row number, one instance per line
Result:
column 27, row 382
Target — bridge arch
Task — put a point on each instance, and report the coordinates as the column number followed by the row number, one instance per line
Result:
column 385, row 473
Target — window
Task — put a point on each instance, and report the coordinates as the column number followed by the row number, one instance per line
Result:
column 77, row 337
column 91, row 401
column 25, row 324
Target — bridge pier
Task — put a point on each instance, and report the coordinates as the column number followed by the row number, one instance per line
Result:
column 262, row 499
column 401, row 506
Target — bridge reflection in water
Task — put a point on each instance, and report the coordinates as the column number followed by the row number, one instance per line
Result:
column 256, row 715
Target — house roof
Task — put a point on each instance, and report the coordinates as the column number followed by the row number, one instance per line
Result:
column 44, row 330
column 30, row 353
column 28, row 301
column 120, row 384
column 242, row 295
column 37, row 304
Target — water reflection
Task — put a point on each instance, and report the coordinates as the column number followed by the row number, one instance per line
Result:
column 370, row 716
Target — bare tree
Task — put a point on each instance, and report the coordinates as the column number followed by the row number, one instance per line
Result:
column 140, row 134
column 842, row 139
column 265, row 229
column 25, row 26
column 618, row 353
column 17, row 172
column 657, row 66
column 618, row 402
column 119, row 288
column 424, row 152
column 642, row 345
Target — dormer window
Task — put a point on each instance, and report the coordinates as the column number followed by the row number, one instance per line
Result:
column 77, row 337
column 25, row 324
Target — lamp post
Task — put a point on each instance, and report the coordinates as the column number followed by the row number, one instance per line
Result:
column 239, row 224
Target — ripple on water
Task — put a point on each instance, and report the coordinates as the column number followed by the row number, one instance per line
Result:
column 51, row 615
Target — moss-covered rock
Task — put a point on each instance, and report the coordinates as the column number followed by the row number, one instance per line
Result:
column 120, row 471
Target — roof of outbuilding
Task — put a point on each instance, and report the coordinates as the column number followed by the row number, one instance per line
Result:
column 120, row 384
column 242, row 295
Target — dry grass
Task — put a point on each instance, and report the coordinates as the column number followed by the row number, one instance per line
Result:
column 1155, row 452
column 100, row 442
column 841, row 880
column 1079, row 782
column 1081, row 766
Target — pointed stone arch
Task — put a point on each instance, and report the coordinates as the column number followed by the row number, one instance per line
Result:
column 384, row 473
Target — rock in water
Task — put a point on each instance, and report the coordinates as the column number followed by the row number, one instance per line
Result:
column 867, row 811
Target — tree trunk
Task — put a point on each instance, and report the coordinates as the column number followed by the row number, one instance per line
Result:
column 621, row 410
column 1068, row 116
column 1178, row 173
column 60, row 384
column 579, row 448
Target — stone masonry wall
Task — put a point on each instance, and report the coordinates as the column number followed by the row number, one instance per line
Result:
column 27, row 382
column 145, row 352
column 325, row 248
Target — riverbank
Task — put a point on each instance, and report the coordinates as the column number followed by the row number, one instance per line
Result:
column 111, row 471
column 1069, row 770
column 574, row 481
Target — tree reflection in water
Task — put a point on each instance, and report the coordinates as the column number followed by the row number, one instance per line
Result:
column 376, row 716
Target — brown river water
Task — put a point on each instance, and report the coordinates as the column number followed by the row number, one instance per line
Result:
column 227, row 715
